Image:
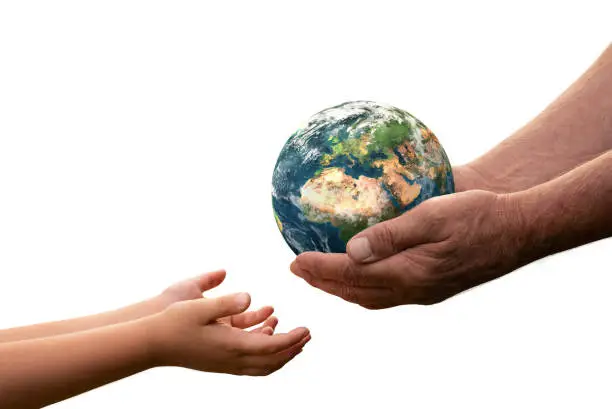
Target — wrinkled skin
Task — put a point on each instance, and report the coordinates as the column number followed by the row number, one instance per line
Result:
column 436, row 250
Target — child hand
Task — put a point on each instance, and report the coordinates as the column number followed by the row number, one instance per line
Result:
column 206, row 335
column 192, row 289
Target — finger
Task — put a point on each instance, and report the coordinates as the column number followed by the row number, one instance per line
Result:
column 258, row 344
column 250, row 318
column 210, row 280
column 335, row 267
column 211, row 309
column 264, row 330
column 390, row 237
column 271, row 322
column 369, row 297
column 267, row 364
column 267, row 327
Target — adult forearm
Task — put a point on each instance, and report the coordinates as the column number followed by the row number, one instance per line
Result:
column 131, row 312
column 567, row 212
column 575, row 128
column 36, row 373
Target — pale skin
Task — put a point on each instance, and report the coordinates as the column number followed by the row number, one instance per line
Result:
column 545, row 189
column 189, row 289
column 177, row 328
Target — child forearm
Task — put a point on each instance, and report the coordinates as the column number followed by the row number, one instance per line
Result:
column 63, row 366
column 48, row 329
column 188, row 289
column 203, row 334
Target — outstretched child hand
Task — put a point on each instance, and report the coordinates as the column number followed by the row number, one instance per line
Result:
column 184, row 290
column 208, row 335
column 192, row 289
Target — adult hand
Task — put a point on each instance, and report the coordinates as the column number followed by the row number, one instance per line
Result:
column 440, row 248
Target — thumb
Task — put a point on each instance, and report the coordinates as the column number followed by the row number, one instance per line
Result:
column 387, row 238
column 211, row 309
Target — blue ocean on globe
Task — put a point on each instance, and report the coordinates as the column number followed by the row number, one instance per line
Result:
column 352, row 166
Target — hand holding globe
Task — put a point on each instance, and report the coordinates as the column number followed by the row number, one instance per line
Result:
column 364, row 174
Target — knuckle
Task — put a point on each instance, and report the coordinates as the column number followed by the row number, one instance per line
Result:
column 269, row 369
column 348, row 273
column 352, row 274
column 384, row 238
column 425, row 271
column 348, row 293
column 430, row 211
column 449, row 249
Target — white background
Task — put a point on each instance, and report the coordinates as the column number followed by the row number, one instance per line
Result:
column 137, row 143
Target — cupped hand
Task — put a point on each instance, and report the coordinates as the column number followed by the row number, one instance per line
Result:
column 201, row 335
column 193, row 289
column 438, row 249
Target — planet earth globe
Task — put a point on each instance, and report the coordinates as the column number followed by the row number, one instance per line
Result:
column 352, row 166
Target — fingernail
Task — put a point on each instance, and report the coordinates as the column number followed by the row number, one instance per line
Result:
column 359, row 249
column 242, row 299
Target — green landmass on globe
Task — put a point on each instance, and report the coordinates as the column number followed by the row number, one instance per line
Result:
column 352, row 166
